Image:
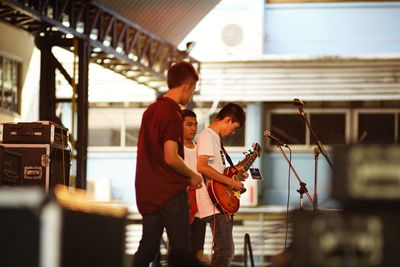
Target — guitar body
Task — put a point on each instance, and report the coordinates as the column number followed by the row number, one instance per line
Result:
column 224, row 197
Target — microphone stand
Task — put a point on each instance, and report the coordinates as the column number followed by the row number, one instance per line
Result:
column 302, row 190
column 321, row 148
column 316, row 154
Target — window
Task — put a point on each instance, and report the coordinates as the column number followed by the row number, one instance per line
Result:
column 9, row 84
column 236, row 139
column 118, row 128
column 335, row 126
column 105, row 127
column 329, row 128
column 378, row 127
column 290, row 127
column 133, row 120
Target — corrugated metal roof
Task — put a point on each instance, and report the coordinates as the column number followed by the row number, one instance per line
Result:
column 317, row 79
column 171, row 20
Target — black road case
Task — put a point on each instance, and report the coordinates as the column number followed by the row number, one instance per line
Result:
column 41, row 132
column 42, row 164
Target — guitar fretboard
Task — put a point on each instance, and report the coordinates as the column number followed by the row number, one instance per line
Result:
column 245, row 164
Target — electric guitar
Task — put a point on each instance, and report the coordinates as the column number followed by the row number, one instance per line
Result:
column 225, row 198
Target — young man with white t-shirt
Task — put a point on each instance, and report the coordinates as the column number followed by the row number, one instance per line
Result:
column 197, row 226
column 211, row 164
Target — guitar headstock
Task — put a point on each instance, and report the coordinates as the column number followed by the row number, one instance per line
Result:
column 256, row 149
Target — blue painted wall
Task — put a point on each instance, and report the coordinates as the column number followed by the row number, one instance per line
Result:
column 332, row 28
column 119, row 168
column 275, row 185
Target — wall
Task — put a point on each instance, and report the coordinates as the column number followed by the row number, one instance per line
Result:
column 19, row 45
column 332, row 28
column 275, row 184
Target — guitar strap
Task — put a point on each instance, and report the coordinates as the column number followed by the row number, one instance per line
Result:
column 228, row 158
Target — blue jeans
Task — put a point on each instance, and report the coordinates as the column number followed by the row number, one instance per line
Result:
column 174, row 217
column 223, row 246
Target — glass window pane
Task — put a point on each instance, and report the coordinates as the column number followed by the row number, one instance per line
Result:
column 329, row 128
column 14, row 89
column 105, row 127
column 377, row 128
column 133, row 119
column 237, row 139
column 7, row 85
column 1, row 73
column 289, row 128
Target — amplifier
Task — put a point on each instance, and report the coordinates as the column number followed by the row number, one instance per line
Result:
column 367, row 238
column 42, row 164
column 366, row 173
column 41, row 132
column 10, row 166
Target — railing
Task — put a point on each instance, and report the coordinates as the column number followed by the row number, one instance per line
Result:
column 247, row 245
column 266, row 226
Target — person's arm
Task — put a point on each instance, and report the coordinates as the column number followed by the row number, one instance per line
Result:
column 176, row 162
column 210, row 172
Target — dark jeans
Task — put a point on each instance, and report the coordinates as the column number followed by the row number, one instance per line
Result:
column 174, row 217
column 198, row 233
column 223, row 246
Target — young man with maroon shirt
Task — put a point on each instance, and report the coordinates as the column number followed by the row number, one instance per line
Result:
column 161, row 173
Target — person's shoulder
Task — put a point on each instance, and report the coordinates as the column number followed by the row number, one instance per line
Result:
column 162, row 107
column 204, row 134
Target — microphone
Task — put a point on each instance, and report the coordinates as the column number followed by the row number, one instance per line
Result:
column 298, row 102
column 268, row 134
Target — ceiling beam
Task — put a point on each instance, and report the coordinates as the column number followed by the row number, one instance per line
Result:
column 111, row 36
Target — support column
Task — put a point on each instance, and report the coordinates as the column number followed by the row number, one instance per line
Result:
column 83, row 112
column 47, row 91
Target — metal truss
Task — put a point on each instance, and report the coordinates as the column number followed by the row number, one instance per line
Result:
column 116, row 42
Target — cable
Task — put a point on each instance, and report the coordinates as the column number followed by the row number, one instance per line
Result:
column 288, row 198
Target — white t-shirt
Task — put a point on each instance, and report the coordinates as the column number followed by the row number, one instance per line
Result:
column 191, row 157
column 209, row 144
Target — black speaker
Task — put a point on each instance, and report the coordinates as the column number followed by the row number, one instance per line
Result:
column 20, row 227
column 366, row 173
column 61, row 230
column 345, row 238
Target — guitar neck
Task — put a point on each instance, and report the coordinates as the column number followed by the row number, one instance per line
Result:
column 245, row 164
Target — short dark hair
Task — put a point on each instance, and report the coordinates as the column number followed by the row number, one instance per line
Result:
column 180, row 73
column 188, row 113
column 234, row 111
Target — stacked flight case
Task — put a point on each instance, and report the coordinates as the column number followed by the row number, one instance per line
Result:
column 43, row 145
